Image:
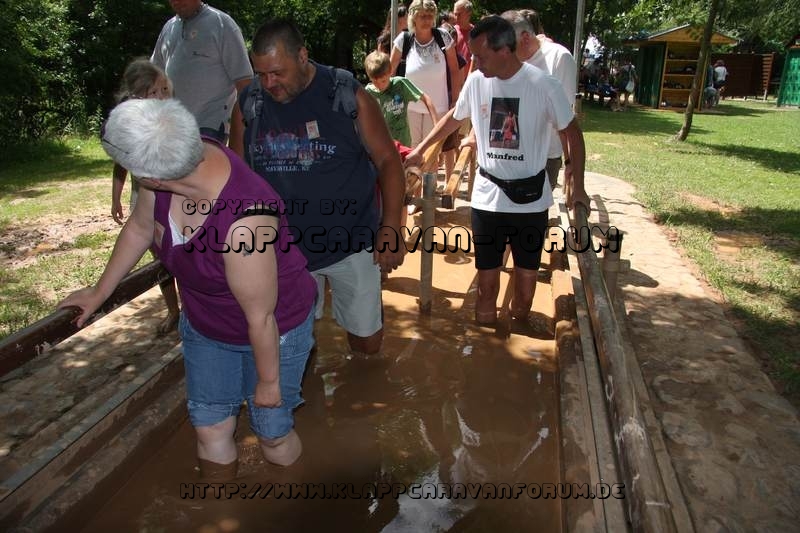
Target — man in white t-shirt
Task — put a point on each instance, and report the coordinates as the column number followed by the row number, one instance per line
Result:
column 554, row 59
column 514, row 108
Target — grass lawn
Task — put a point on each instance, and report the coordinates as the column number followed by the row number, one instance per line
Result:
column 731, row 195
column 55, row 226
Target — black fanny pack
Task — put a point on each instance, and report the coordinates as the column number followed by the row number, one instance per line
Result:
column 520, row 191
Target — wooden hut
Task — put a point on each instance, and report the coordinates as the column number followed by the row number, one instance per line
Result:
column 667, row 62
column 748, row 74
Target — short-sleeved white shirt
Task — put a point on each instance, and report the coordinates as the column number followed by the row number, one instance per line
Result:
column 426, row 67
column 537, row 99
column 556, row 60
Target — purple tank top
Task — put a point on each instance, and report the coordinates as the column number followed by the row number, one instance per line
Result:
column 200, row 270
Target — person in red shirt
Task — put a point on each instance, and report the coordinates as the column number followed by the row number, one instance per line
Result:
column 463, row 13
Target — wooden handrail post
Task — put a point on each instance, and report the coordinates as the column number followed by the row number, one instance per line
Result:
column 465, row 156
column 611, row 262
column 426, row 259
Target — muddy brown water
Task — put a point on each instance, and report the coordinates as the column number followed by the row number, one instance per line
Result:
column 450, row 404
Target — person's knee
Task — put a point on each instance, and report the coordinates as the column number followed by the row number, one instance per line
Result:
column 216, row 442
column 526, row 275
column 216, row 432
column 489, row 279
column 274, row 443
column 282, row 451
column 367, row 345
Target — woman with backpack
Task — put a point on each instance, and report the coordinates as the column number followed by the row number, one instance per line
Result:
column 430, row 63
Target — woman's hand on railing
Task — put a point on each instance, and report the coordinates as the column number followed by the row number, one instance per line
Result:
column 88, row 300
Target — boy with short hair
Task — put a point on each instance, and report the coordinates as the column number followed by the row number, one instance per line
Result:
column 394, row 93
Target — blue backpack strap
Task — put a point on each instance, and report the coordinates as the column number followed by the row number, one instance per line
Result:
column 343, row 92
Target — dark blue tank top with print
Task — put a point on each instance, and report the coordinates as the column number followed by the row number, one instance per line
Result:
column 314, row 158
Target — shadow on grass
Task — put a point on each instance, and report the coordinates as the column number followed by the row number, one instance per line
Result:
column 755, row 220
column 738, row 110
column 765, row 157
column 777, row 342
column 30, row 165
column 634, row 121
column 645, row 120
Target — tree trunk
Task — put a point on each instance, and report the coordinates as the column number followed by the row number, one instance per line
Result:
column 697, row 82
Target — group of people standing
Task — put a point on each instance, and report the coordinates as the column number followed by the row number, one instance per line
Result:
column 247, row 314
column 618, row 85
column 716, row 77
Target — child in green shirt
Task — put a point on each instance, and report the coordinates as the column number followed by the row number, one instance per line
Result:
column 394, row 94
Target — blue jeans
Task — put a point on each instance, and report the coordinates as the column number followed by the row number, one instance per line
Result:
column 220, row 376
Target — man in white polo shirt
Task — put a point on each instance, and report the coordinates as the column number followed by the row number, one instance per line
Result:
column 203, row 53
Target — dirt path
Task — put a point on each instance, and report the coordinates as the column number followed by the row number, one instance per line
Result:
column 734, row 441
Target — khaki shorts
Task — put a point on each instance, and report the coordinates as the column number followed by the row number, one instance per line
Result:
column 355, row 293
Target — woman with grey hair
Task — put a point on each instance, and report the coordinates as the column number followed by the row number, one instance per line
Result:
column 432, row 65
column 247, row 319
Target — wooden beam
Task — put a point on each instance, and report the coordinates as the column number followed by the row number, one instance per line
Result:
column 426, row 258
column 430, row 159
column 465, row 156
column 26, row 344
column 92, row 460
column 648, row 505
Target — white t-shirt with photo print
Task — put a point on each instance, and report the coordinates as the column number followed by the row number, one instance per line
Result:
column 537, row 101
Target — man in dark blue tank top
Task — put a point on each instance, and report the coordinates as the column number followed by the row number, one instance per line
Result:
column 326, row 164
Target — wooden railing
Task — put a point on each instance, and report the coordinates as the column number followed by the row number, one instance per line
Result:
column 646, row 497
column 464, row 164
column 24, row 345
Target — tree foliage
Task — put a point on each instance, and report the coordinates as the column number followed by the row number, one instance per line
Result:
column 760, row 25
column 36, row 59
column 63, row 58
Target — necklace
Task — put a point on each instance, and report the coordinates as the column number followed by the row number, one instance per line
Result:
column 424, row 50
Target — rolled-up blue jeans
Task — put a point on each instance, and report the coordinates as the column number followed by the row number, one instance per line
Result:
column 220, row 376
